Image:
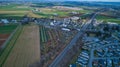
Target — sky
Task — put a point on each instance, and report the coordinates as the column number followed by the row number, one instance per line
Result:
column 88, row 0
column 101, row 0
column 97, row 0
column 67, row 0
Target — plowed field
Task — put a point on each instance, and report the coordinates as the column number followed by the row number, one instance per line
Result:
column 26, row 50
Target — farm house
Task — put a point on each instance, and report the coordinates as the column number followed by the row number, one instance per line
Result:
column 5, row 21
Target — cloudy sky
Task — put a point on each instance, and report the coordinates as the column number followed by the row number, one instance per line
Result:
column 100, row 0
column 89, row 0
column 66, row 0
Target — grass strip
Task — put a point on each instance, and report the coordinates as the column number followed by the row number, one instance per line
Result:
column 5, row 53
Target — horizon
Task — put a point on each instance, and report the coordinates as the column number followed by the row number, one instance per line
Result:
column 65, row 0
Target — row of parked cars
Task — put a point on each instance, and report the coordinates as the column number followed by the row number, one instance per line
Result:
column 83, row 58
column 106, row 63
column 109, row 51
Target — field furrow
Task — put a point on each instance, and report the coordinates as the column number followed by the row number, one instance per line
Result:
column 26, row 50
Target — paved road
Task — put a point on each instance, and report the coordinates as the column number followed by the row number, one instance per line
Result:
column 73, row 41
column 91, row 57
column 104, row 58
column 103, row 46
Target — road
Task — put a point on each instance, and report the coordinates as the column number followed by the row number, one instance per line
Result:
column 104, row 58
column 73, row 41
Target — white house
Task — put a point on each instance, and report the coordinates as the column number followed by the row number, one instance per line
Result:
column 14, row 21
column 52, row 24
column 65, row 29
column 4, row 21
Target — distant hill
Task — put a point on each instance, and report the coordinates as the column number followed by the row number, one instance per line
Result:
column 70, row 3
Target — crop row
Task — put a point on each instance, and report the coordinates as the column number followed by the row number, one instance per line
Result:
column 49, row 39
column 43, row 34
column 6, row 51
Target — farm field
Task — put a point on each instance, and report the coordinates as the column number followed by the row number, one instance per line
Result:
column 52, row 43
column 17, row 11
column 3, row 38
column 4, row 52
column 31, row 14
column 107, row 19
column 5, row 31
column 15, row 7
column 13, row 11
column 26, row 50
column 49, row 12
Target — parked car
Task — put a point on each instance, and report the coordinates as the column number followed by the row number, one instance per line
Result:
column 109, row 63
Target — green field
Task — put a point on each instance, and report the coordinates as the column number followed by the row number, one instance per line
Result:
column 13, row 11
column 7, row 29
column 114, row 20
column 48, row 12
column 107, row 19
column 43, row 34
column 14, row 7
column 17, row 11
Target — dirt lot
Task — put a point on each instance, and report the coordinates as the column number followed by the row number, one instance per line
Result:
column 26, row 50
column 3, row 38
column 1, row 42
